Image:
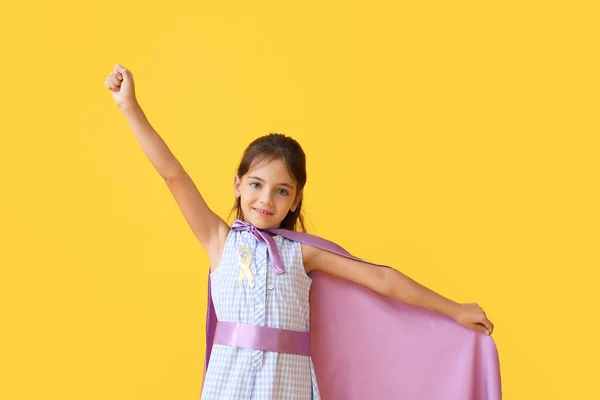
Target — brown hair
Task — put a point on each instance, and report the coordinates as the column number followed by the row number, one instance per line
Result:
column 271, row 147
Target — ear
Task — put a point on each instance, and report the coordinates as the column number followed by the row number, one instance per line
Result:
column 298, row 199
column 236, row 183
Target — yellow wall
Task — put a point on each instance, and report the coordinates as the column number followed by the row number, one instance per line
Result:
column 457, row 142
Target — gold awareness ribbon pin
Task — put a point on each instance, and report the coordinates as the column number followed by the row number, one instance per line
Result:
column 245, row 259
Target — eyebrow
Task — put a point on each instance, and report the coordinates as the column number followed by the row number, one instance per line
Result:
column 262, row 180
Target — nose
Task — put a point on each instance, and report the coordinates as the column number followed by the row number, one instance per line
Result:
column 265, row 197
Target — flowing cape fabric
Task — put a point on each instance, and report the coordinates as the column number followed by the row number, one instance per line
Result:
column 368, row 346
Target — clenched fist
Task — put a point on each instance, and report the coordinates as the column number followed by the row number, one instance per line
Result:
column 120, row 83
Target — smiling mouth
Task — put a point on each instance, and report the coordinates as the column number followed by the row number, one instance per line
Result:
column 262, row 212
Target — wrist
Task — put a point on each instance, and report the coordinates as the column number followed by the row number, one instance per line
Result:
column 453, row 310
column 129, row 107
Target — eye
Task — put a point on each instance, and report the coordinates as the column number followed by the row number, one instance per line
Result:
column 285, row 192
column 254, row 183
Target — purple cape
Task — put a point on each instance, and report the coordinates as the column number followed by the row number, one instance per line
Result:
column 368, row 346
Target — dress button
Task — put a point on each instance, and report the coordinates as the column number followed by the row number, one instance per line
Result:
column 251, row 284
column 260, row 306
column 262, row 271
column 270, row 287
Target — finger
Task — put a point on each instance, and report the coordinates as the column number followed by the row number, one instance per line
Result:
column 123, row 72
column 481, row 328
column 118, row 70
column 491, row 329
column 111, row 85
column 488, row 325
column 114, row 79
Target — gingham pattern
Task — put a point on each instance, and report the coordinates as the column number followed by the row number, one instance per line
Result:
column 279, row 301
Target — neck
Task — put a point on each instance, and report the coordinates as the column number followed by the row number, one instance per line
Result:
column 264, row 229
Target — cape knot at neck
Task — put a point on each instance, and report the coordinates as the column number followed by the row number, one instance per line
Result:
column 264, row 237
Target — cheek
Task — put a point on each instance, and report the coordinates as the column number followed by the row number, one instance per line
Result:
column 286, row 204
column 247, row 202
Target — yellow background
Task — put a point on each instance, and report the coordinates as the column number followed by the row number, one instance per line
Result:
column 455, row 141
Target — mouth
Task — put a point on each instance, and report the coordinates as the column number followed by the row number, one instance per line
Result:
column 262, row 213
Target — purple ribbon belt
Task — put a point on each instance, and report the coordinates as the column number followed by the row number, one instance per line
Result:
column 262, row 338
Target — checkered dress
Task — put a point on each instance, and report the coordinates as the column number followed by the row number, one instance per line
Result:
column 278, row 301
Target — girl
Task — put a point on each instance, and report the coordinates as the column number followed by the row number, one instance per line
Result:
column 258, row 337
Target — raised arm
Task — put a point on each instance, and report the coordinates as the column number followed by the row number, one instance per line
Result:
column 207, row 226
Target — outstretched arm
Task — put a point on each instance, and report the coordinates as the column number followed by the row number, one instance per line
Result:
column 393, row 283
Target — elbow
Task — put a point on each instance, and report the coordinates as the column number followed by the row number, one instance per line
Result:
column 399, row 287
column 387, row 282
column 173, row 171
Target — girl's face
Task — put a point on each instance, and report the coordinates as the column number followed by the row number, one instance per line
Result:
column 267, row 193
